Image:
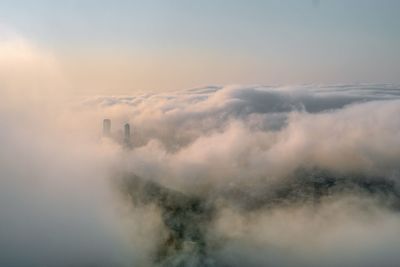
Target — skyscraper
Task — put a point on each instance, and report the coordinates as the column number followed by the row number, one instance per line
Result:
column 127, row 134
column 106, row 127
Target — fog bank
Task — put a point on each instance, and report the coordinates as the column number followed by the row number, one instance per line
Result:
column 216, row 176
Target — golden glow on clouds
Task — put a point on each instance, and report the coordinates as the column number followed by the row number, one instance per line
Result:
column 119, row 73
column 29, row 69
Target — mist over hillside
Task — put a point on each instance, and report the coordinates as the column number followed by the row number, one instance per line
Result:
column 216, row 176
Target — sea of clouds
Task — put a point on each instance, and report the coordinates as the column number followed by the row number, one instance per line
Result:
column 216, row 176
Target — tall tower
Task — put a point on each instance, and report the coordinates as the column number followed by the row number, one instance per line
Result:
column 127, row 134
column 107, row 127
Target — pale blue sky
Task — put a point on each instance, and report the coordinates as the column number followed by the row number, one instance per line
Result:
column 221, row 41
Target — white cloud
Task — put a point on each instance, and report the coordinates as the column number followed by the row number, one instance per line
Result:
column 28, row 73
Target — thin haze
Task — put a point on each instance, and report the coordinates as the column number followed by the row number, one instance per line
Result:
column 125, row 46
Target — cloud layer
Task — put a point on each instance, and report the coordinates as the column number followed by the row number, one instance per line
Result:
column 217, row 176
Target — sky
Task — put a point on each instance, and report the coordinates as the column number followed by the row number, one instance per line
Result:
column 119, row 47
